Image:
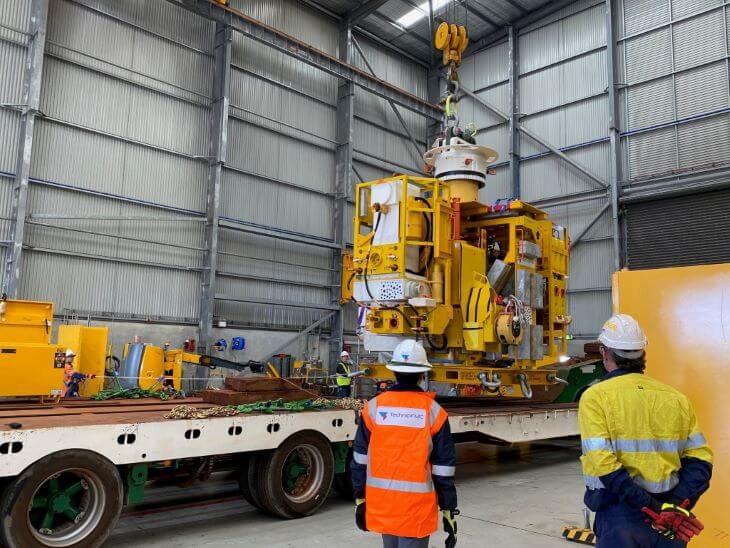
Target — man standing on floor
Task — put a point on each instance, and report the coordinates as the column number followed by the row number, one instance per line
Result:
column 404, row 459
column 645, row 460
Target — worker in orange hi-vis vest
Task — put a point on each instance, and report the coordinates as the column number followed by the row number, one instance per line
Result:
column 404, row 459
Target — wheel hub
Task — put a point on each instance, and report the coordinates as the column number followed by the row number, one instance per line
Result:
column 66, row 508
column 60, row 502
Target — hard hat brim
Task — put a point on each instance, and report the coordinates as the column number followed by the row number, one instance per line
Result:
column 408, row 368
column 622, row 345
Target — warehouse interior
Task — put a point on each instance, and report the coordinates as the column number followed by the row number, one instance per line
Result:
column 185, row 171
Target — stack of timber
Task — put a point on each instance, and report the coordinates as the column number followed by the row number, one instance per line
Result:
column 242, row 390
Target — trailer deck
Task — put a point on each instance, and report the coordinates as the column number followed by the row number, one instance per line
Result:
column 137, row 431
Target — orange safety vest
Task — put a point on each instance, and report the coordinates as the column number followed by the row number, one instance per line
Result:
column 399, row 493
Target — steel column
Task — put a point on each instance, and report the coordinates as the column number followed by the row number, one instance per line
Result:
column 514, row 115
column 343, row 184
column 433, row 83
column 218, row 150
column 614, row 132
column 32, row 78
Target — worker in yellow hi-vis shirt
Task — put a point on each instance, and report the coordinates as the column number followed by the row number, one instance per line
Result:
column 645, row 460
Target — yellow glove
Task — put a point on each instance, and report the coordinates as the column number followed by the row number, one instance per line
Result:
column 449, row 520
column 360, row 514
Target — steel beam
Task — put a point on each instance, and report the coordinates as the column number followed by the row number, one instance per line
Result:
column 595, row 179
column 614, row 132
column 590, row 224
column 275, row 233
column 260, row 32
column 530, row 18
column 343, row 184
column 276, row 302
column 217, row 151
column 32, row 78
column 514, row 115
column 365, row 9
column 419, row 152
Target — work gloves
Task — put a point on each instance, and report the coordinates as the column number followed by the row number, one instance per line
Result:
column 360, row 514
column 674, row 522
column 449, row 519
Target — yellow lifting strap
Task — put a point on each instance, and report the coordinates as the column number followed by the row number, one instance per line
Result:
column 451, row 107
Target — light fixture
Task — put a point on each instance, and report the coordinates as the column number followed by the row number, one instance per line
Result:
column 563, row 358
column 419, row 13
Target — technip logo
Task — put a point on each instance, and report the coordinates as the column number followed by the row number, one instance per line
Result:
column 401, row 416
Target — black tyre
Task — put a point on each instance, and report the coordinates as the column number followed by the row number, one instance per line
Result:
column 70, row 499
column 242, row 463
column 248, row 478
column 296, row 479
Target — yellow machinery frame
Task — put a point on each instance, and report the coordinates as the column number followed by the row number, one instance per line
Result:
column 447, row 255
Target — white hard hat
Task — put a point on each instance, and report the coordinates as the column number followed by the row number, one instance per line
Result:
column 344, row 353
column 409, row 357
column 623, row 334
column 70, row 353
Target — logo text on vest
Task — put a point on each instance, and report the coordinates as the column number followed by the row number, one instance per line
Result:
column 401, row 416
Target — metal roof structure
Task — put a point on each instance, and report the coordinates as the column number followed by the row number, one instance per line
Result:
column 380, row 18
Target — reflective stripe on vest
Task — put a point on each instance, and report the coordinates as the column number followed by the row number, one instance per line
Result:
column 642, row 446
column 594, row 482
column 399, row 485
column 445, row 471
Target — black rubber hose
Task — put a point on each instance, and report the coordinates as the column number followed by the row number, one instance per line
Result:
column 438, row 348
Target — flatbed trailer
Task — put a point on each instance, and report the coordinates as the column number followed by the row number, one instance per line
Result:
column 67, row 470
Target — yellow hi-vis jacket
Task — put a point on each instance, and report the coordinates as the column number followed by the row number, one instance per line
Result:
column 632, row 421
column 343, row 370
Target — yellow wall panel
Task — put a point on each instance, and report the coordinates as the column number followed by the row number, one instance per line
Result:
column 685, row 313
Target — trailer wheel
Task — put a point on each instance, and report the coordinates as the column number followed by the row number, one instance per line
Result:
column 296, row 479
column 67, row 499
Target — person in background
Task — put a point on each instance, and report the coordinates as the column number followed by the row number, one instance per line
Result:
column 344, row 381
column 68, row 370
column 404, row 459
column 645, row 460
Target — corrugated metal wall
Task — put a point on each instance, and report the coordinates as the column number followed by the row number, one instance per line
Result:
column 119, row 165
column 675, row 113
column 116, row 160
column 675, row 66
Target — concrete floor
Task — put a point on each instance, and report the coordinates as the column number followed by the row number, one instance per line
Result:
column 518, row 497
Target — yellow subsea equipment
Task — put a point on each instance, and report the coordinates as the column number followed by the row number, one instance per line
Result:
column 483, row 285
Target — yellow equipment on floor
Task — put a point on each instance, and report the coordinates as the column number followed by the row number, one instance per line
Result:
column 31, row 364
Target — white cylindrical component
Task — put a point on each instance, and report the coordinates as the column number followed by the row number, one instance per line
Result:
column 460, row 160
